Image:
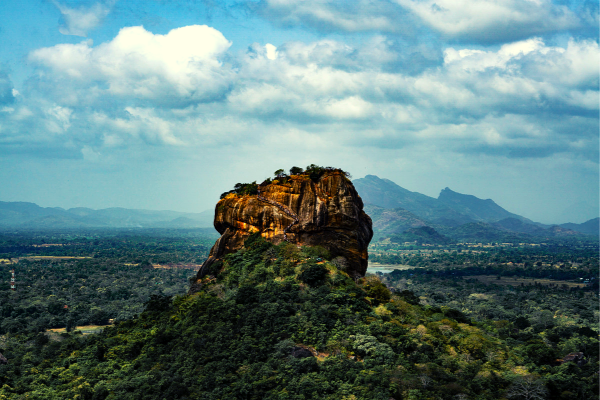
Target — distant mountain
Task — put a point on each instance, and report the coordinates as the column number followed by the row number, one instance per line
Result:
column 591, row 227
column 449, row 209
column 31, row 216
column 559, row 231
column 387, row 222
column 476, row 208
column 520, row 226
column 16, row 213
column 385, row 193
column 462, row 217
column 421, row 235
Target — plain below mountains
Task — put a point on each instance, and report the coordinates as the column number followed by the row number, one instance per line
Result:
column 405, row 216
column 31, row 216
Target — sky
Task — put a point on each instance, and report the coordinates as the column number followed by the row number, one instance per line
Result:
column 165, row 104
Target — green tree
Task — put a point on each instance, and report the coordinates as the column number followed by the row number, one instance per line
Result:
column 296, row 171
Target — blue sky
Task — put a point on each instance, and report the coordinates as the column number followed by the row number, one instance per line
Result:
column 165, row 104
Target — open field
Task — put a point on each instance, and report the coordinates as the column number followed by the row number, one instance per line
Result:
column 514, row 281
column 85, row 329
column 177, row 266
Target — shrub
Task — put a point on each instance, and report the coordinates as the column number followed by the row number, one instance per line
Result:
column 377, row 290
column 317, row 252
column 314, row 275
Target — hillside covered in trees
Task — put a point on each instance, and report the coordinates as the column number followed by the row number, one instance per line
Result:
column 282, row 322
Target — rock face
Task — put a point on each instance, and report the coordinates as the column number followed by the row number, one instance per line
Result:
column 327, row 212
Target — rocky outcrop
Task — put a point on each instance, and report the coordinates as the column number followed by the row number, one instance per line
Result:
column 326, row 211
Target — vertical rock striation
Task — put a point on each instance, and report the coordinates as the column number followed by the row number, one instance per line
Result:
column 327, row 212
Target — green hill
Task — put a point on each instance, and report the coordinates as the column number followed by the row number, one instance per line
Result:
column 280, row 322
column 421, row 235
column 591, row 227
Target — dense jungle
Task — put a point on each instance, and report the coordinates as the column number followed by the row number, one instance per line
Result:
column 287, row 322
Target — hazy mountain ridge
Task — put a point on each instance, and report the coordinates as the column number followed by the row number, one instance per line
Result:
column 387, row 221
column 385, row 193
column 591, row 227
column 30, row 215
column 393, row 209
column 396, row 210
column 478, row 209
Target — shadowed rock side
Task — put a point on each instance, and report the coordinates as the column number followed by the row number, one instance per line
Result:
column 328, row 213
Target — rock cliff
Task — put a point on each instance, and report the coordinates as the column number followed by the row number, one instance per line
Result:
column 325, row 211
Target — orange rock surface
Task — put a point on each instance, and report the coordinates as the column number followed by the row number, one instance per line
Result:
column 327, row 212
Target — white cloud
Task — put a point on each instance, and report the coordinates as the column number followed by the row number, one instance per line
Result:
column 271, row 51
column 486, row 21
column 353, row 107
column 513, row 89
column 492, row 20
column 79, row 21
column 530, row 71
column 520, row 99
column 355, row 16
column 153, row 127
column 182, row 66
column 60, row 119
column 479, row 60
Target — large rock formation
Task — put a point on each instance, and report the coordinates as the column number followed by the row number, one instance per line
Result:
column 326, row 211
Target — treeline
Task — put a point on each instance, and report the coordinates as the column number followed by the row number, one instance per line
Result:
column 312, row 171
column 123, row 245
column 504, row 271
column 537, row 261
column 59, row 294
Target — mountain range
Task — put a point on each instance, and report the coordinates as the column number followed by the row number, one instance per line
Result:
column 30, row 215
column 396, row 212
column 401, row 214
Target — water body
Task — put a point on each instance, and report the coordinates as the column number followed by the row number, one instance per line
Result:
column 373, row 268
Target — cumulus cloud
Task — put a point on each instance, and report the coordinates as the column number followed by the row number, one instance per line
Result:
column 323, row 15
column 493, row 20
column 469, row 79
column 521, row 99
column 180, row 67
column 497, row 101
column 79, row 21
column 531, row 73
column 484, row 21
